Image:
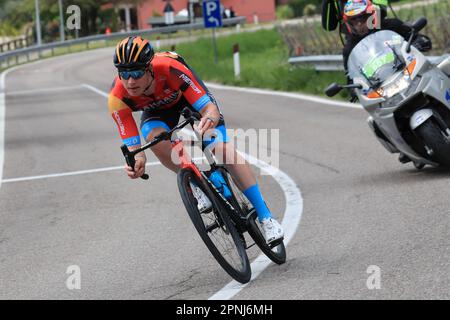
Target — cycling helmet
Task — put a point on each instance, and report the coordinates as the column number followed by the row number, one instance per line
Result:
column 359, row 10
column 133, row 53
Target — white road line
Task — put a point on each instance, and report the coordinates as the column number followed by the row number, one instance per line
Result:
column 43, row 90
column 2, row 112
column 72, row 173
column 290, row 224
column 2, row 120
column 75, row 173
column 104, row 94
column 2, row 124
column 287, row 95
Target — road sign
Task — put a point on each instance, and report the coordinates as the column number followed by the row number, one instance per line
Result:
column 212, row 14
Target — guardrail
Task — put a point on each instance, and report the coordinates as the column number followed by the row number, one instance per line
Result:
column 335, row 62
column 17, row 43
column 321, row 62
column 26, row 54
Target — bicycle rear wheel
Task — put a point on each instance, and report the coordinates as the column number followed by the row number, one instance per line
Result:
column 215, row 228
column 275, row 253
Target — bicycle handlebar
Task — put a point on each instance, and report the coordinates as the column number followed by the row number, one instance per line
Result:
column 190, row 117
column 131, row 161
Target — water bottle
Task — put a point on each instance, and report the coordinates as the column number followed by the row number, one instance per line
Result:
column 219, row 182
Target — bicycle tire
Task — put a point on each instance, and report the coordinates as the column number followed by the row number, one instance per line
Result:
column 224, row 225
column 277, row 253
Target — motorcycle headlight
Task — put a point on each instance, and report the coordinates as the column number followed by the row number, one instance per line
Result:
column 396, row 87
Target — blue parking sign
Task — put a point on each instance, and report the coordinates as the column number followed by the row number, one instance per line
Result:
column 212, row 14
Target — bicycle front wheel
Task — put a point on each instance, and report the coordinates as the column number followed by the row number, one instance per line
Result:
column 275, row 253
column 215, row 228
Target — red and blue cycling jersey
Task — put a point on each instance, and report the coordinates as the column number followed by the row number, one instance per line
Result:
column 173, row 80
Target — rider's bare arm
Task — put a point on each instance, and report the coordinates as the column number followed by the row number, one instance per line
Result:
column 210, row 117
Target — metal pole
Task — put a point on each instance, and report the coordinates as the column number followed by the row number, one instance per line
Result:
column 236, row 60
column 38, row 23
column 61, row 21
column 214, row 45
column 127, row 18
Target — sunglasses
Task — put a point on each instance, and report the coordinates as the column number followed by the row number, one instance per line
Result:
column 135, row 74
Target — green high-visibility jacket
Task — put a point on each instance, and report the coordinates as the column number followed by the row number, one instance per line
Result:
column 381, row 2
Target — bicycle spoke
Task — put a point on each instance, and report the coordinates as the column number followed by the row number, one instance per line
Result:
column 227, row 249
column 223, row 242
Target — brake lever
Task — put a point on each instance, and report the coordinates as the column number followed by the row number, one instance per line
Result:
column 131, row 161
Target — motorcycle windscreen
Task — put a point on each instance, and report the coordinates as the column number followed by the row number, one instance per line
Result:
column 373, row 58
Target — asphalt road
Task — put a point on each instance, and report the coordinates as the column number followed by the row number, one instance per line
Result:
column 134, row 240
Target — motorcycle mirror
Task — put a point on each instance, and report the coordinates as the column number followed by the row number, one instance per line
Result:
column 419, row 24
column 333, row 89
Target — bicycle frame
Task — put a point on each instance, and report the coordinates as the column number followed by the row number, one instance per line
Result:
column 240, row 218
column 185, row 161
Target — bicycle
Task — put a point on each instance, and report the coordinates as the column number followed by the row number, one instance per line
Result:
column 223, row 227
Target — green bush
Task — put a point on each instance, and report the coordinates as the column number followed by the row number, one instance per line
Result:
column 7, row 29
column 309, row 10
column 284, row 12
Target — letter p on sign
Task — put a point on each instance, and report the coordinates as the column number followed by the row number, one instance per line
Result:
column 211, row 6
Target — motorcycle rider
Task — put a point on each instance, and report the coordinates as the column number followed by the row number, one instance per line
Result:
column 362, row 17
column 358, row 18
column 332, row 13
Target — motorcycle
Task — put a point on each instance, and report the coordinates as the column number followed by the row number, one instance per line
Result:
column 407, row 96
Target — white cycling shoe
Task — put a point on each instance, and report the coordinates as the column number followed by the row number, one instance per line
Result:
column 272, row 230
column 203, row 202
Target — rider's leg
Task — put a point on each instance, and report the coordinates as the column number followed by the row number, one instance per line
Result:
column 246, row 181
column 239, row 168
column 162, row 150
column 244, row 177
column 154, row 123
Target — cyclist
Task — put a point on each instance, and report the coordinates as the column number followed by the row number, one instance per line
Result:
column 160, row 85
